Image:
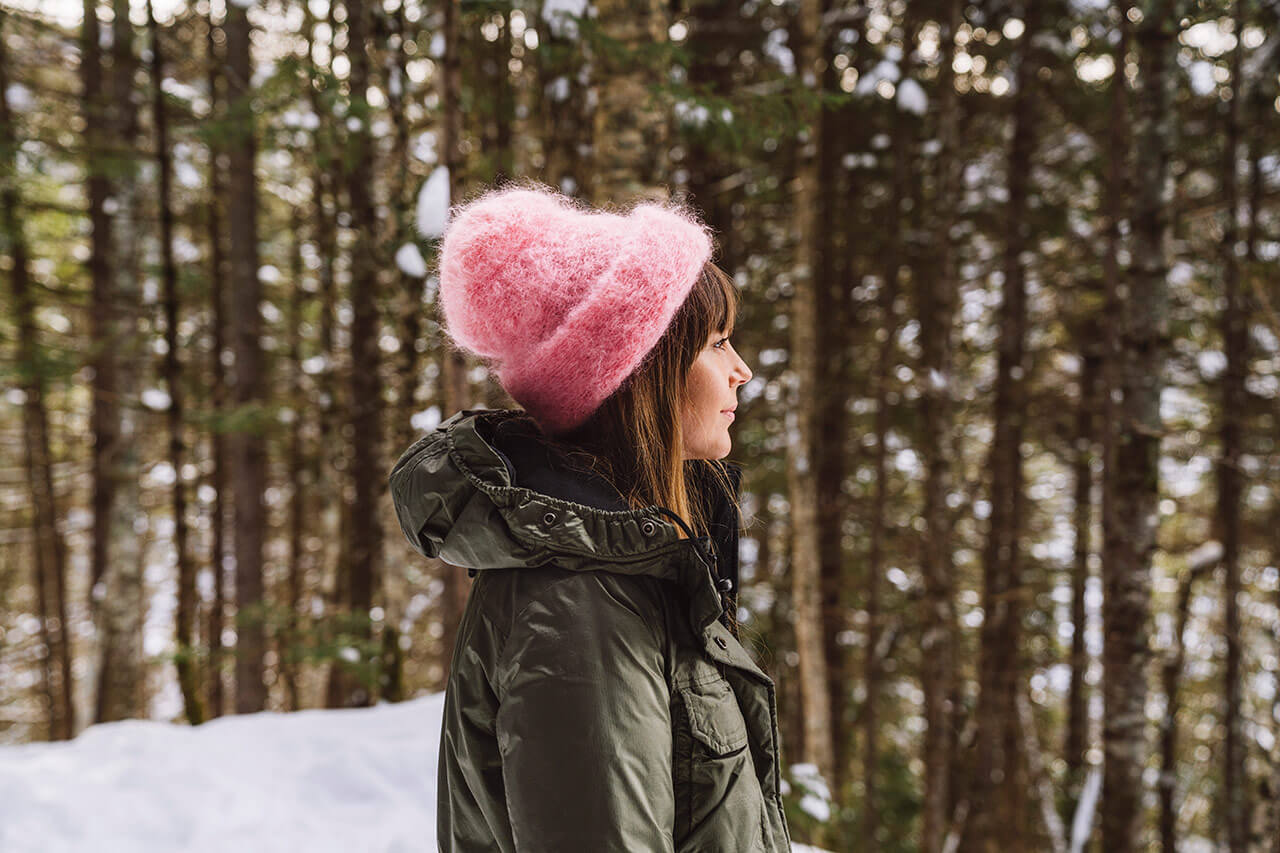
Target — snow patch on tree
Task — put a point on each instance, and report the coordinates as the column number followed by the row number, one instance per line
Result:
column 433, row 204
column 410, row 261
column 562, row 16
column 911, row 97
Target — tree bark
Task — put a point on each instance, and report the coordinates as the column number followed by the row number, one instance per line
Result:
column 248, row 445
column 1131, row 522
column 121, row 609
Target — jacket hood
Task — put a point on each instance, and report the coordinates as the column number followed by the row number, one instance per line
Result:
column 482, row 491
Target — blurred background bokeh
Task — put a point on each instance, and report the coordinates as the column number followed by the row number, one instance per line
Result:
column 1010, row 292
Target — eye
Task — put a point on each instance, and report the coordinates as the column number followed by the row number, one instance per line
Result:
column 718, row 344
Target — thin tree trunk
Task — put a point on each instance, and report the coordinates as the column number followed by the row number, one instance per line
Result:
column 50, row 561
column 121, row 609
column 1001, row 806
column 185, row 641
column 1172, row 680
column 1077, row 691
column 219, row 390
column 1235, row 794
column 289, row 642
column 324, row 208
column 1118, row 186
column 410, row 286
column 364, row 531
column 103, row 423
column 630, row 128
column 248, row 446
column 936, row 309
column 893, row 256
column 453, row 368
column 801, row 480
column 561, row 103
column 1132, row 523
column 831, row 431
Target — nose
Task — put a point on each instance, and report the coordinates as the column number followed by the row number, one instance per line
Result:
column 742, row 374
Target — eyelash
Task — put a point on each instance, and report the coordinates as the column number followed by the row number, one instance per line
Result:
column 719, row 342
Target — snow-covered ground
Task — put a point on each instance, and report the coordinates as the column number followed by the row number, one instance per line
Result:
column 355, row 781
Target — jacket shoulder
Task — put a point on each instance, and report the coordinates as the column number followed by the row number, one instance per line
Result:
column 547, row 609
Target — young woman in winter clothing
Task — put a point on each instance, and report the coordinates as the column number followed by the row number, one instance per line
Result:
column 598, row 698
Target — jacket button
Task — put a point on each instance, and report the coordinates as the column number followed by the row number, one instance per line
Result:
column 721, row 643
column 648, row 527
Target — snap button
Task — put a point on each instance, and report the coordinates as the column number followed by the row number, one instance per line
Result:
column 721, row 643
column 549, row 519
column 648, row 527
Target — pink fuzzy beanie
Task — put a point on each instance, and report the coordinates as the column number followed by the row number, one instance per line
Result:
column 563, row 301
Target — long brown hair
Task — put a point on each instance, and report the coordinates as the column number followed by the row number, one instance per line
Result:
column 635, row 439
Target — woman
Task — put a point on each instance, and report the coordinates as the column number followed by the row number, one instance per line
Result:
column 597, row 699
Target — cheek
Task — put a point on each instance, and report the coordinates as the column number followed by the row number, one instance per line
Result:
column 699, row 387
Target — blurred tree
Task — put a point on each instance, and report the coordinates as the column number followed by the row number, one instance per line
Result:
column 248, row 444
column 50, row 551
column 121, row 608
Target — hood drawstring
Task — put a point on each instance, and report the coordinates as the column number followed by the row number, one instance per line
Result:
column 724, row 586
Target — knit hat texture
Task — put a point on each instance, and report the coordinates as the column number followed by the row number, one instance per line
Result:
column 564, row 302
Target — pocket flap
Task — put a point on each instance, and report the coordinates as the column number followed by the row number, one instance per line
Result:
column 714, row 716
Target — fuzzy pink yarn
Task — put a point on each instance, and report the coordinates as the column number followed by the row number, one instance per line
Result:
column 563, row 301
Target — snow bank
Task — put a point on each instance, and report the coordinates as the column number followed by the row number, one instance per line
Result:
column 320, row 781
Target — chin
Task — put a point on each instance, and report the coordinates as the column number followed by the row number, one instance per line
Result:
column 719, row 450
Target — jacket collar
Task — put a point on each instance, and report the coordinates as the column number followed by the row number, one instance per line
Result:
column 481, row 492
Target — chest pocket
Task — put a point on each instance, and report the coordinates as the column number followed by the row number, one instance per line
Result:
column 719, row 805
column 715, row 721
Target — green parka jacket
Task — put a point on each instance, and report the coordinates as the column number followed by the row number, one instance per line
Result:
column 595, row 700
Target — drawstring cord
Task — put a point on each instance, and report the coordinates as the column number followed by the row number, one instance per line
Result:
column 724, row 586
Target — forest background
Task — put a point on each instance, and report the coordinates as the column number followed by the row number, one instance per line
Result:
column 1010, row 288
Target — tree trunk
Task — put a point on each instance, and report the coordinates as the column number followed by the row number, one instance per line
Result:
column 1130, row 525
column 455, row 394
column 831, row 289
column 1172, row 680
column 121, row 608
column 801, row 422
column 561, row 104
column 410, row 286
column 289, row 641
column 1088, row 403
column 936, row 311
column 219, row 389
column 1235, row 791
column 630, row 128
column 248, row 446
column 185, row 641
column 364, row 531
column 1001, row 805
column 49, row 579
column 325, row 463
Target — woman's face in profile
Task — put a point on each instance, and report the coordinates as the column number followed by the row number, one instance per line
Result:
column 712, row 394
